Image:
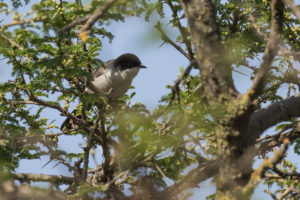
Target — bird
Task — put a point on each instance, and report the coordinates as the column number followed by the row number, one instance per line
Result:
column 113, row 79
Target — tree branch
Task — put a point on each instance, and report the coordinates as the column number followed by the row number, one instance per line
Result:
column 277, row 8
column 175, row 89
column 43, row 178
column 9, row 191
column 294, row 8
column 56, row 106
column 286, row 176
column 215, row 68
column 194, row 177
column 87, row 149
column 13, row 43
column 267, row 164
column 77, row 21
column 271, row 115
column 182, row 30
column 96, row 15
column 90, row 19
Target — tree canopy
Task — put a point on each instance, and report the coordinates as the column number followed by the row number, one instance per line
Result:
column 203, row 129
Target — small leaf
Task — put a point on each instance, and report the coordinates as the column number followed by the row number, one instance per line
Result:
column 84, row 36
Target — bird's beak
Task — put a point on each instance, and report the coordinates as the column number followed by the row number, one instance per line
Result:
column 141, row 66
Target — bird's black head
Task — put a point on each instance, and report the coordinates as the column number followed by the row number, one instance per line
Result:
column 127, row 61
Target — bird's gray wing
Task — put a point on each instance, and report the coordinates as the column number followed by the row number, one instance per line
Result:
column 67, row 123
column 101, row 69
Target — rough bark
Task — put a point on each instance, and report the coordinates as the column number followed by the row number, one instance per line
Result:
column 271, row 115
column 235, row 136
column 215, row 70
column 194, row 177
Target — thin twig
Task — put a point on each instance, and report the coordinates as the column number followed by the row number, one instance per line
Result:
column 259, row 173
column 183, row 32
column 287, row 192
column 287, row 53
column 96, row 15
column 13, row 43
column 175, row 89
column 267, row 143
column 277, row 8
column 21, row 22
column 294, row 8
column 194, row 177
column 168, row 40
column 122, row 174
column 77, row 21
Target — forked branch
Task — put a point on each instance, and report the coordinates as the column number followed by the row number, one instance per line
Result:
column 89, row 20
column 277, row 8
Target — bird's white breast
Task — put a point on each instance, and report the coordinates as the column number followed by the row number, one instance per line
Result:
column 115, row 82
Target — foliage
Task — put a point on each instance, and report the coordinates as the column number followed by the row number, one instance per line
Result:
column 144, row 151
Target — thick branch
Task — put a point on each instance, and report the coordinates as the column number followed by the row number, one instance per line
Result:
column 90, row 19
column 286, row 176
column 194, row 177
column 43, row 178
column 215, row 70
column 271, row 194
column 86, row 156
column 273, row 114
column 21, row 22
column 289, row 175
column 96, row 15
column 288, row 191
column 168, row 40
column 77, row 21
column 182, row 30
column 56, row 106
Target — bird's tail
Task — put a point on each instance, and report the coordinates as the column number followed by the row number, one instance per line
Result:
column 67, row 124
